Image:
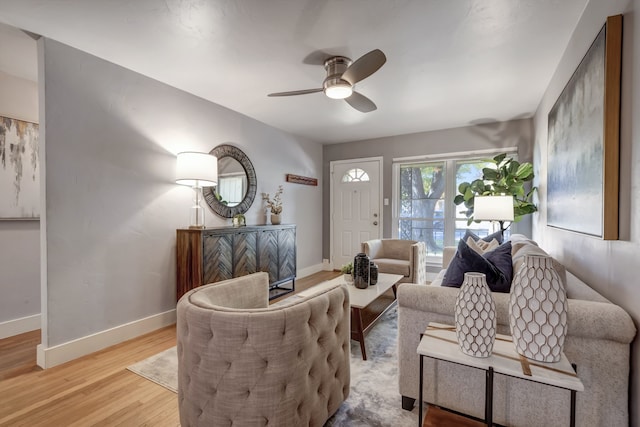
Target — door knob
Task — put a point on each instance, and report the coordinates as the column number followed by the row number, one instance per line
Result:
column 375, row 222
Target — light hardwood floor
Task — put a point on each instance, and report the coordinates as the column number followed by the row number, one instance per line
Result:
column 95, row 390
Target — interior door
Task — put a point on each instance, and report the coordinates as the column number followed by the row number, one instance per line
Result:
column 355, row 207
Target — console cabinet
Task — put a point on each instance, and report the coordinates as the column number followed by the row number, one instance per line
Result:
column 215, row 254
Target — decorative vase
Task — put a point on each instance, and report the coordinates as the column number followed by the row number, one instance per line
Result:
column 475, row 316
column 373, row 273
column 538, row 310
column 275, row 219
column 348, row 278
column 361, row 271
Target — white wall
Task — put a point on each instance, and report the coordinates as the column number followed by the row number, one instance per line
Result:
column 608, row 266
column 19, row 240
column 112, row 205
column 514, row 133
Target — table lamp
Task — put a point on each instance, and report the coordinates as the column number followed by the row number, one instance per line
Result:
column 493, row 208
column 197, row 170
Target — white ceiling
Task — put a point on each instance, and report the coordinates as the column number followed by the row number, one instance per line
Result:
column 450, row 63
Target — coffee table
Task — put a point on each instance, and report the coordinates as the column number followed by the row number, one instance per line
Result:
column 360, row 299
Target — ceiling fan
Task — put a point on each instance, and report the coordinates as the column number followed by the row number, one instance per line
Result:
column 342, row 75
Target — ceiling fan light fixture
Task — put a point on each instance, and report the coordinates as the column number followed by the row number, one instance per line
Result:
column 339, row 91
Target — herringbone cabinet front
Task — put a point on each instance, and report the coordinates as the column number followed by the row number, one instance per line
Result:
column 215, row 254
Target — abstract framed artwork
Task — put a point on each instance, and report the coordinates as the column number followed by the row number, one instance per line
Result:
column 19, row 169
column 584, row 141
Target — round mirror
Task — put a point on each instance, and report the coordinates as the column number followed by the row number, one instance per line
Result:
column 237, row 182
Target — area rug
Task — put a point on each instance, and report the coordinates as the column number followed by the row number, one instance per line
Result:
column 373, row 401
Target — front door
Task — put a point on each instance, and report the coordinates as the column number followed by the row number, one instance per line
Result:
column 355, row 207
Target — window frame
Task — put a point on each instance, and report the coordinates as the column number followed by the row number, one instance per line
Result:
column 449, row 160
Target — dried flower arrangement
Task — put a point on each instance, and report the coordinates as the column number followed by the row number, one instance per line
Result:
column 276, row 204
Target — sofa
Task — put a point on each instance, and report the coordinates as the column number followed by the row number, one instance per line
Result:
column 398, row 256
column 598, row 342
column 243, row 362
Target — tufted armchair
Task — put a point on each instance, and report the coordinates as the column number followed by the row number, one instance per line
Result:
column 398, row 256
column 242, row 362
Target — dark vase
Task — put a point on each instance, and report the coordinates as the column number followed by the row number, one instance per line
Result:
column 373, row 273
column 361, row 271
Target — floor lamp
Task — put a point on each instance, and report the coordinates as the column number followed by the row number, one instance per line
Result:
column 493, row 208
column 197, row 170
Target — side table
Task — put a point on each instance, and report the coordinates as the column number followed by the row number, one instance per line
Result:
column 439, row 342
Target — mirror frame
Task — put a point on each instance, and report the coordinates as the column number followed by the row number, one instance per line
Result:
column 226, row 150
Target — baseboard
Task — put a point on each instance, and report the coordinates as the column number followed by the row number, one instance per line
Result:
column 308, row 271
column 61, row 353
column 19, row 326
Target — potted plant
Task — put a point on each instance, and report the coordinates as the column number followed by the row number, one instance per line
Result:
column 504, row 176
column 239, row 220
column 274, row 205
column 347, row 270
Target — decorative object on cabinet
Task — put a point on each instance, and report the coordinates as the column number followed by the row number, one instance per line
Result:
column 475, row 316
column 215, row 254
column 538, row 310
column 19, row 174
column 196, row 170
column 584, row 141
column 305, row 180
column 238, row 182
column 239, row 220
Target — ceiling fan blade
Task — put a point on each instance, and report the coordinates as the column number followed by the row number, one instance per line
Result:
column 364, row 66
column 361, row 103
column 296, row 92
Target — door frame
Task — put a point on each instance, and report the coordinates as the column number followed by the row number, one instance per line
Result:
column 380, row 160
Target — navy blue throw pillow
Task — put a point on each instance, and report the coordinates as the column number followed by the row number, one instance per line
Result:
column 495, row 264
column 497, row 235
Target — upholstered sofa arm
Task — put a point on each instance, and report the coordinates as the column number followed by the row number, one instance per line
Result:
column 599, row 321
column 373, row 248
column 418, row 263
column 447, row 255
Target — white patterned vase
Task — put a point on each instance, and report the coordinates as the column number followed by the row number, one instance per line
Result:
column 475, row 316
column 538, row 310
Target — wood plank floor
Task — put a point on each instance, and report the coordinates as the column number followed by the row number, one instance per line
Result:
column 95, row 390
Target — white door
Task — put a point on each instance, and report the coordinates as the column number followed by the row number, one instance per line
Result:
column 355, row 207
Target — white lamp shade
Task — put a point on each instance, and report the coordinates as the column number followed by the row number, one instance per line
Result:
column 197, row 169
column 493, row 208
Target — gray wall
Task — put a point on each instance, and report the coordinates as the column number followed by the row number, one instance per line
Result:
column 610, row 267
column 19, row 240
column 514, row 133
column 112, row 205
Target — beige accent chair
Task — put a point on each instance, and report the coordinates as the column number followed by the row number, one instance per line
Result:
column 242, row 362
column 397, row 256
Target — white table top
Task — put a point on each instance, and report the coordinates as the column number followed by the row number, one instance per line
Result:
column 439, row 341
column 359, row 298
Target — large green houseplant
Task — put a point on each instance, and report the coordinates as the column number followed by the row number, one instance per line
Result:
column 504, row 176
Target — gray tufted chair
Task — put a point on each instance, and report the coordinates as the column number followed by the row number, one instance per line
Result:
column 242, row 362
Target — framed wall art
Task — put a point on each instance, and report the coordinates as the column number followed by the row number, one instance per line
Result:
column 19, row 170
column 584, row 141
